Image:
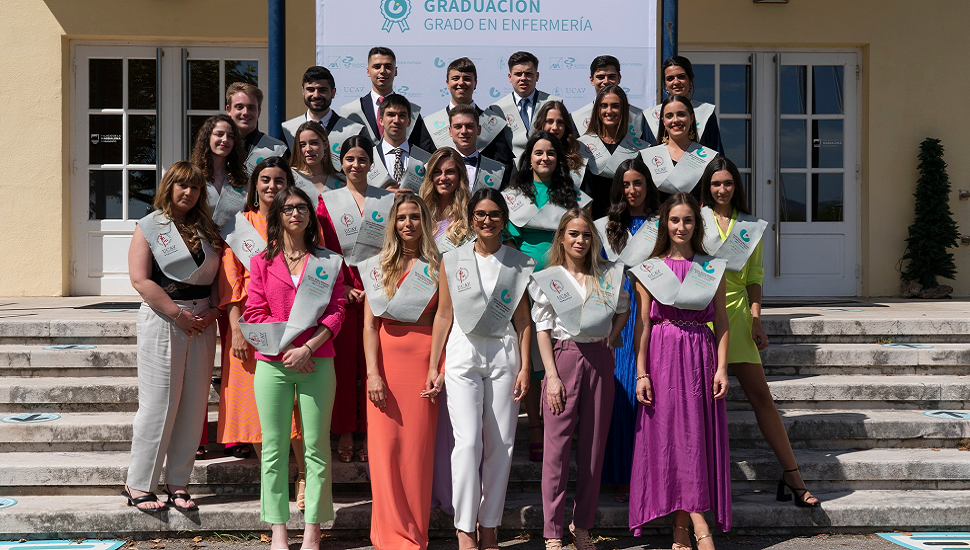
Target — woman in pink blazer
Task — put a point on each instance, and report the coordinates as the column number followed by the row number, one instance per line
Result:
column 303, row 367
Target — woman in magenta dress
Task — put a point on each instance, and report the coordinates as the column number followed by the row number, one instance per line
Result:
column 681, row 458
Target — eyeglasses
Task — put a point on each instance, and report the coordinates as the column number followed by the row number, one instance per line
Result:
column 290, row 208
column 494, row 215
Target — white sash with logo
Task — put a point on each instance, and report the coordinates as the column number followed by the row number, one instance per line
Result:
column 517, row 130
column 172, row 254
column 695, row 293
column 312, row 298
column 266, row 147
column 224, row 205
column 589, row 316
column 599, row 161
column 584, row 114
column 355, row 112
column 638, row 246
column 307, row 186
column 488, row 317
column 342, row 130
column 746, row 233
column 411, row 298
column 243, row 239
column 524, row 212
column 683, row 177
column 489, row 174
column 360, row 234
column 491, row 126
column 702, row 114
column 414, row 173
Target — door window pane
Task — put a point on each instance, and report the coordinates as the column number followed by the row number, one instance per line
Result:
column 204, row 92
column 793, row 89
column 105, row 195
column 793, row 197
column 141, row 139
column 141, row 84
column 241, row 71
column 827, row 144
column 195, row 123
column 735, row 83
column 141, row 193
column 736, row 135
column 106, row 88
column 827, row 197
column 827, row 90
column 704, row 84
column 793, row 143
column 105, row 145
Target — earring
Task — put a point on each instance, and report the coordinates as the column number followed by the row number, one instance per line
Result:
column 256, row 202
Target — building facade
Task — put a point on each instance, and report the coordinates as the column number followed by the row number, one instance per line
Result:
column 823, row 104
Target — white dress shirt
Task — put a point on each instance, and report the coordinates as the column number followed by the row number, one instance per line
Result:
column 390, row 158
column 472, row 171
column 546, row 318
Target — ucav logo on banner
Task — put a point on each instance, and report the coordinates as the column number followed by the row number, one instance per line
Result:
column 396, row 12
column 438, row 62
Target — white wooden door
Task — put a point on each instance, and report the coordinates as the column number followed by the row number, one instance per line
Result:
column 135, row 110
column 793, row 129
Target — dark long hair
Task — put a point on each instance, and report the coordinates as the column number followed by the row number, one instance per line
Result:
column 617, row 232
column 363, row 142
column 596, row 127
column 683, row 63
column 663, row 234
column 487, row 193
column 202, row 154
column 252, row 201
column 562, row 192
column 274, row 223
column 662, row 130
column 738, row 200
column 569, row 139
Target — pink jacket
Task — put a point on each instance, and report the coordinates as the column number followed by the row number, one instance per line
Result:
column 271, row 294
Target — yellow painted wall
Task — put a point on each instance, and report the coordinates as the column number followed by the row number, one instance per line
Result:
column 915, row 78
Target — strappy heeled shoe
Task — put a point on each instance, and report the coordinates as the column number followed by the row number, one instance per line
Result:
column 135, row 501
column 345, row 453
column 677, row 545
column 301, row 491
column 798, row 493
column 581, row 538
column 180, row 495
column 698, row 540
column 553, row 544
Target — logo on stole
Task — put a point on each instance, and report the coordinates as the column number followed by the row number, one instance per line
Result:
column 591, row 147
column 336, row 148
column 426, row 272
column 510, row 198
column 506, row 296
column 744, row 235
column 462, row 275
column 322, row 274
column 586, row 121
column 164, row 241
column 439, row 124
column 707, row 267
column 419, row 170
column 701, row 152
column 605, row 284
column 347, row 220
column 488, row 180
column 249, row 246
column 556, row 285
column 376, row 216
column 646, row 268
column 396, row 12
column 376, row 275
column 255, row 338
column 657, row 161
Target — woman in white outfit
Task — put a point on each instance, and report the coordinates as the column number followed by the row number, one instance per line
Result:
column 484, row 316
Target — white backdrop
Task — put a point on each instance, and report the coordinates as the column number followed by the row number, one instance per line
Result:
column 426, row 35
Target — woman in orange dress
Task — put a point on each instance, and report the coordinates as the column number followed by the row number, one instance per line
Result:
column 402, row 414
column 238, row 419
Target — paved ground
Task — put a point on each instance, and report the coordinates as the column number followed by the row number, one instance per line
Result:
column 523, row 542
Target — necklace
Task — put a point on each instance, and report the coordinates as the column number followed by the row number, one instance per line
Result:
column 409, row 251
column 294, row 256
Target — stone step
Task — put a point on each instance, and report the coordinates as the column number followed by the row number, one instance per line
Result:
column 856, row 511
column 85, row 473
column 72, row 394
column 32, row 361
column 853, row 429
column 832, row 327
column 812, row 429
column 835, row 391
column 816, row 358
column 114, row 330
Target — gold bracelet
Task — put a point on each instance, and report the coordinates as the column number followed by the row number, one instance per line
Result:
column 641, row 377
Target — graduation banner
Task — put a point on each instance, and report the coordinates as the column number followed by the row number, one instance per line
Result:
column 426, row 35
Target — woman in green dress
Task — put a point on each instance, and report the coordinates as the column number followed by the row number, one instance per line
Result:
column 723, row 198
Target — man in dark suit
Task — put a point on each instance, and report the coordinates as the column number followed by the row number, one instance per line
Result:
column 462, row 80
column 482, row 169
column 381, row 69
column 319, row 90
column 394, row 148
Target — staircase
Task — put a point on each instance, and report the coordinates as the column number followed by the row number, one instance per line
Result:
column 854, row 409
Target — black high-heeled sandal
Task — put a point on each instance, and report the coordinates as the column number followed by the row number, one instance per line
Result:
column 180, row 495
column 798, row 494
column 135, row 501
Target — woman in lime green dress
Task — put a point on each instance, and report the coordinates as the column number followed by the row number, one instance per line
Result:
column 723, row 196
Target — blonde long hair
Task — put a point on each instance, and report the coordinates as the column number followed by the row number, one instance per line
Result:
column 592, row 265
column 458, row 229
column 392, row 254
column 197, row 225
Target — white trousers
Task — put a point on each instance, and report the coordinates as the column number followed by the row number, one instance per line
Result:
column 174, row 374
column 480, row 378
